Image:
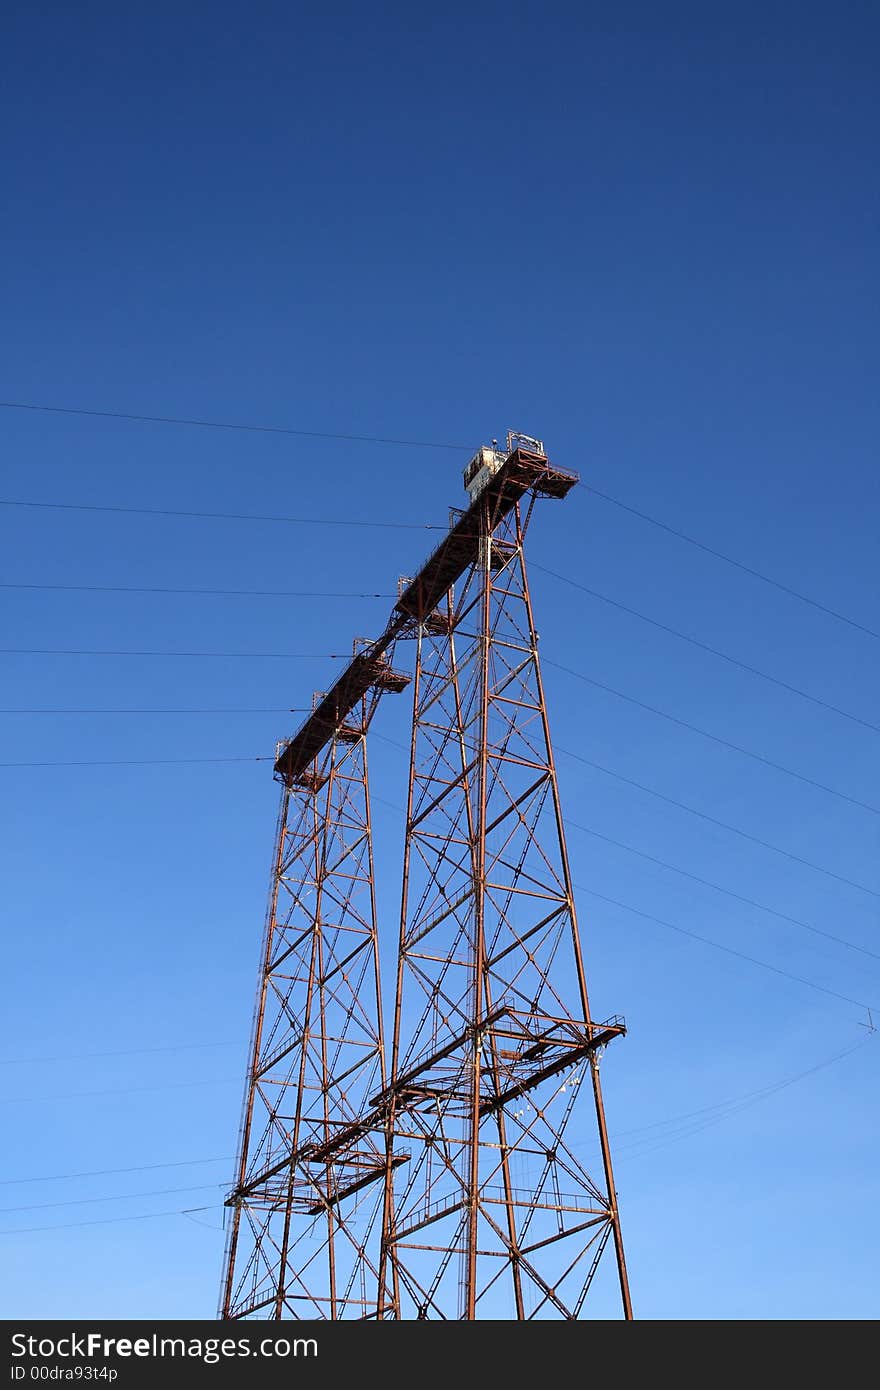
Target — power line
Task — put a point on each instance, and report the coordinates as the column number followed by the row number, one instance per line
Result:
column 681, row 806
column 116, row 1091
column 713, row 820
column 729, row 950
column 640, row 1130
column 200, row 593
column 747, row 1098
column 729, row 560
column 104, row 1221
column 415, row 444
column 638, row 1135
column 555, row 574
column 206, row 1225
column 107, row 1172
column 715, row 738
column 714, row 651
column 120, row 1197
column 155, row 710
column 641, row 1147
column 566, row 752
column 223, row 516
column 600, row 685
column 739, row 897
column 728, row 1106
column 107, row 651
column 138, row 762
column 226, row 425
column 124, row 1052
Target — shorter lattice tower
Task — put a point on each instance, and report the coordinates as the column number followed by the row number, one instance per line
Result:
column 304, row 1232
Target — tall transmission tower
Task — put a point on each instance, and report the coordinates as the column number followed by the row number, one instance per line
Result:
column 455, row 1182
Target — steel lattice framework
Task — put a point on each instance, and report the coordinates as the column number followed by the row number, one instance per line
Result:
column 493, row 1215
column 304, row 1240
column 453, row 1185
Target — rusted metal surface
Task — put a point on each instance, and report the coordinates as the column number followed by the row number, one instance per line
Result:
column 450, row 1183
column 304, row 1230
column 494, row 1047
column 366, row 671
column 521, row 473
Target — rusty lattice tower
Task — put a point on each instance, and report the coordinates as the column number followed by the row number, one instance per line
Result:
column 304, row 1234
column 472, row 1177
column 494, row 1214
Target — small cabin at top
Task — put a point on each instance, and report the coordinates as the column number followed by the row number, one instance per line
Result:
column 483, row 466
column 487, row 460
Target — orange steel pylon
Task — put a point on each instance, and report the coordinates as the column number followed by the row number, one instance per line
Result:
column 471, row 1177
column 494, row 1213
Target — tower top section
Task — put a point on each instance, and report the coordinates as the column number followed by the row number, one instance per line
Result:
column 500, row 479
column 488, row 459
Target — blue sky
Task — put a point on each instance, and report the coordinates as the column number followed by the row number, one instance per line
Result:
column 647, row 236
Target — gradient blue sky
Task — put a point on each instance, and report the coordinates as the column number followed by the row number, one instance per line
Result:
column 647, row 234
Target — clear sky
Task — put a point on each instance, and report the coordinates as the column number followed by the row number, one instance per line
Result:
column 647, row 234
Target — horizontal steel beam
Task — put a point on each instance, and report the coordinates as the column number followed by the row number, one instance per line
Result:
column 522, row 472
